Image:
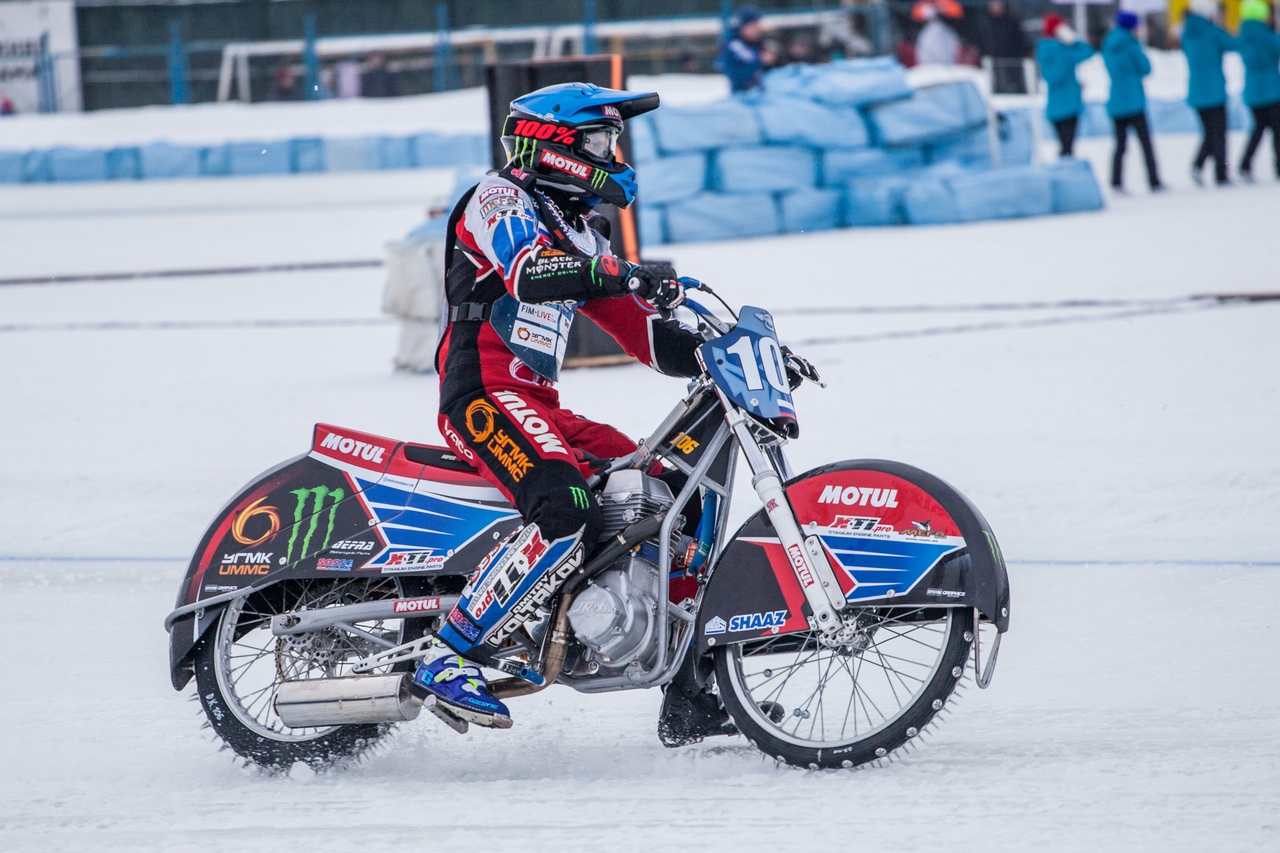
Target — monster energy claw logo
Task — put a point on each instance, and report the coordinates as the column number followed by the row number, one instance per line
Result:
column 318, row 494
column 597, row 178
column 579, row 497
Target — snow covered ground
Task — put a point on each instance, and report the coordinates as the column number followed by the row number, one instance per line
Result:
column 1125, row 456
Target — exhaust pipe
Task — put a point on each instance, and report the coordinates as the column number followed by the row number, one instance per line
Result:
column 346, row 701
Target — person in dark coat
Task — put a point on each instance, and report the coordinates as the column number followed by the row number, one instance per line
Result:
column 1260, row 50
column 1004, row 40
column 1205, row 44
column 1058, row 53
column 1127, row 64
column 744, row 57
column 379, row 81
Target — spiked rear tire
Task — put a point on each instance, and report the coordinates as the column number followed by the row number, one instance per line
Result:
column 240, row 663
column 850, row 704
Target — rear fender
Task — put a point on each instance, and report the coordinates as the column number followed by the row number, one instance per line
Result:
column 357, row 504
column 893, row 534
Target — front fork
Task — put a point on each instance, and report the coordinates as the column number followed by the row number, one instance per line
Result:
column 808, row 559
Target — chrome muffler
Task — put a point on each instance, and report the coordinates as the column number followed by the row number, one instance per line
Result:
column 345, row 701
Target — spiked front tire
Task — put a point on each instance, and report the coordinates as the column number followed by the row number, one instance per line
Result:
column 240, row 664
column 850, row 704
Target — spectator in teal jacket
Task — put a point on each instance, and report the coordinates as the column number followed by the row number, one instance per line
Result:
column 1127, row 64
column 1260, row 50
column 1205, row 43
column 1058, row 53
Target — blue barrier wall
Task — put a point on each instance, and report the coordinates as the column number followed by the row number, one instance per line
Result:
column 847, row 144
column 270, row 157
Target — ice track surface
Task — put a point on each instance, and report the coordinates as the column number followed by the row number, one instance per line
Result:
column 1128, row 465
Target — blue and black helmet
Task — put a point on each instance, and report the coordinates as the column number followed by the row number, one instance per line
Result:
column 567, row 135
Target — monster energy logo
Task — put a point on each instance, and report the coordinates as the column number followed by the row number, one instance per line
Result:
column 597, row 178
column 318, row 494
column 523, row 155
column 579, row 497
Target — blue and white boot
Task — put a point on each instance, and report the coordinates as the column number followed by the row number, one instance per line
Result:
column 460, row 690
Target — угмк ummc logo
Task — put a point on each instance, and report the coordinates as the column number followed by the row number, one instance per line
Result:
column 564, row 164
column 351, row 447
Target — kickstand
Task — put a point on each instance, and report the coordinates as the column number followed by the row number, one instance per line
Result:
column 450, row 719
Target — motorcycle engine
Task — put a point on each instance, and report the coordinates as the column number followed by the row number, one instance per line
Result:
column 615, row 616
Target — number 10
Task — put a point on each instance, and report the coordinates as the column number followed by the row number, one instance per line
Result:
column 770, row 358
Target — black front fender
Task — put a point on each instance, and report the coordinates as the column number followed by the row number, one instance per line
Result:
column 894, row 535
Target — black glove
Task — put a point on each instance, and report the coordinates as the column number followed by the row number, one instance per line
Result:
column 799, row 369
column 657, row 284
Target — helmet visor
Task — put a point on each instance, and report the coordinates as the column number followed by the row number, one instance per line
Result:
column 601, row 142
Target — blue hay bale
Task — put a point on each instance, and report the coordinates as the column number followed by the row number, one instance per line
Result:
column 351, row 155
column 1017, row 144
column 306, row 155
column 11, row 167
column 811, row 210
column 840, row 165
column 876, row 201
column 791, row 120
column 395, row 152
column 77, row 164
column 1094, row 121
column 640, row 141
column 1075, row 187
column 754, row 168
column 215, row 160
column 1002, row 193
column 1172, row 117
column 672, row 178
column 971, row 148
column 162, row 160
column 35, row 167
column 929, row 201
column 704, row 128
column 430, row 150
column 932, row 113
column 850, row 83
column 124, row 164
column 1239, row 116
column 652, row 223
column 258, row 158
column 710, row 216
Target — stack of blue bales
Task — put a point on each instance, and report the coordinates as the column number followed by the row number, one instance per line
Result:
column 281, row 157
column 848, row 143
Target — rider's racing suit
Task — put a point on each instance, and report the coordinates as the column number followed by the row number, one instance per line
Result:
column 520, row 261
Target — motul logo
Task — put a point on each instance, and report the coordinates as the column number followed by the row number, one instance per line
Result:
column 612, row 111
column 564, row 164
column 351, row 447
column 416, row 605
column 858, row 496
column 533, row 425
column 802, row 568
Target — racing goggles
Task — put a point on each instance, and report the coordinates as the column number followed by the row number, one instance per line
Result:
column 600, row 142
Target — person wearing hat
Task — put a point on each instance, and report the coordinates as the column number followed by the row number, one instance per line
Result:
column 744, row 57
column 937, row 43
column 1260, row 50
column 1127, row 64
column 1205, row 44
column 1059, row 52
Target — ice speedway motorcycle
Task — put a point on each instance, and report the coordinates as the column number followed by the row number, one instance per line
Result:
column 833, row 625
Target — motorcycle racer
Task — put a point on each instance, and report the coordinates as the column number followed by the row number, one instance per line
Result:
column 524, row 253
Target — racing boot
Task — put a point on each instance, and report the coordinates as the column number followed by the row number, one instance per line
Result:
column 459, row 686
column 689, row 712
column 506, row 591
